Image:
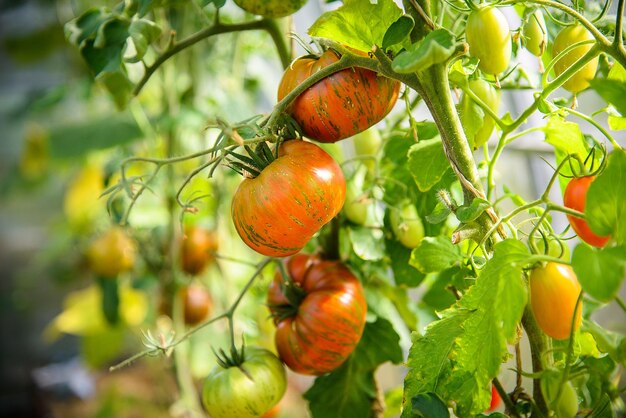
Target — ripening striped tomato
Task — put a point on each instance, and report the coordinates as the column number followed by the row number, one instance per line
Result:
column 554, row 290
column 340, row 105
column 278, row 212
column 321, row 322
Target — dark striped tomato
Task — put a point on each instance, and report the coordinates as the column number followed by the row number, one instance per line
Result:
column 320, row 324
column 340, row 105
column 575, row 197
column 278, row 212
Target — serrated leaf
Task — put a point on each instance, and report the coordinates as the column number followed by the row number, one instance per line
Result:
column 599, row 271
column 605, row 206
column 435, row 48
column 398, row 32
column 429, row 405
column 345, row 25
column 460, row 354
column 368, row 244
column 349, row 391
column 473, row 211
column 428, row 163
column 435, row 254
column 85, row 26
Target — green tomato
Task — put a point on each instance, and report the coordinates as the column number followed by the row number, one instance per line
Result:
column 367, row 144
column 355, row 207
column 478, row 136
column 567, row 405
column 271, row 8
column 247, row 391
column 407, row 225
column 567, row 37
column 489, row 39
column 554, row 248
column 535, row 33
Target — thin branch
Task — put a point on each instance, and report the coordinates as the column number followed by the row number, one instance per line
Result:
column 618, row 42
column 423, row 14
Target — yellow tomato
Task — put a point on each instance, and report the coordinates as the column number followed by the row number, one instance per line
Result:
column 554, row 290
column 489, row 39
column 567, row 37
column 112, row 253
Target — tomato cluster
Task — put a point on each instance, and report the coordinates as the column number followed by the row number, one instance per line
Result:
column 320, row 317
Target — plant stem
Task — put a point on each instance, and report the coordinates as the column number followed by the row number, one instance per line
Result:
column 510, row 407
column 218, row 28
column 537, row 343
column 621, row 303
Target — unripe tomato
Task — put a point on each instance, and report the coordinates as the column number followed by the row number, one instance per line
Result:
column 197, row 249
column 575, row 198
column 112, row 253
column 407, row 225
column 535, row 33
column 340, row 105
column 248, row 390
column 367, row 144
column 278, row 212
column 489, row 39
column 356, row 206
column 554, row 290
column 567, row 405
column 82, row 203
column 565, row 38
column 197, row 303
column 491, row 97
column 271, row 8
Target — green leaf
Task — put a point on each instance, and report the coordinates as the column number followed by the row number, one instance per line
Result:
column 435, row 48
column 404, row 273
column 605, row 206
column 368, row 244
column 427, row 163
column 75, row 140
column 460, row 354
column 85, row 26
column 438, row 295
column 612, row 91
column 435, row 254
column 612, row 343
column 349, row 391
column 345, row 25
column 473, row 211
column 566, row 138
column 429, row 405
column 143, row 32
column 398, row 32
column 118, row 85
column 599, row 271
column 439, row 214
column 617, row 122
column 217, row 3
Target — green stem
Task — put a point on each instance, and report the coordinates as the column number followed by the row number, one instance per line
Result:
column 217, row 29
column 596, row 125
column 510, row 406
column 538, row 345
column 618, row 41
column 621, row 303
column 279, row 40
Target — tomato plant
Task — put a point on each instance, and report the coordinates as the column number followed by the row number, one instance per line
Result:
column 197, row 249
column 554, row 292
column 112, row 253
column 575, row 197
column 278, row 212
column 489, row 39
column 271, row 8
column 244, row 387
column 197, row 303
column 320, row 318
column 338, row 106
column 566, row 38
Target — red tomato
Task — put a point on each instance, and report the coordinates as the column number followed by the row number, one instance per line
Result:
column 574, row 198
column 197, row 303
column 495, row 399
column 316, row 332
column 197, row 249
column 278, row 212
column 342, row 104
column 554, row 290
